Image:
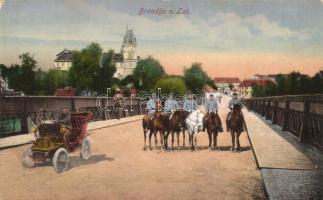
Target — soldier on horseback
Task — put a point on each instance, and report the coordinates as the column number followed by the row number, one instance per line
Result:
column 190, row 104
column 234, row 101
column 211, row 106
column 171, row 105
column 151, row 105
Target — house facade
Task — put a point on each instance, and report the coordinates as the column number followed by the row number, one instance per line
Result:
column 125, row 61
column 245, row 88
column 223, row 83
column 63, row 60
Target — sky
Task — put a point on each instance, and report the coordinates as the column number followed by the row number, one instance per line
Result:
column 229, row 37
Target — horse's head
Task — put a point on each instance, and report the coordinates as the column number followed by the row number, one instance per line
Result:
column 196, row 116
column 237, row 108
column 213, row 114
column 158, row 105
column 212, row 120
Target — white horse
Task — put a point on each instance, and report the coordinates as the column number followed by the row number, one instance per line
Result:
column 194, row 124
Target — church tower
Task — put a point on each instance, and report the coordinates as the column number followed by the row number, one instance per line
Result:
column 127, row 59
column 129, row 46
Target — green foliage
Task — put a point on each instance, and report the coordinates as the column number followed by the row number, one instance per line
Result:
column 231, row 86
column 85, row 70
column 293, row 83
column 147, row 72
column 171, row 84
column 12, row 73
column 52, row 80
column 129, row 80
column 106, row 72
column 195, row 78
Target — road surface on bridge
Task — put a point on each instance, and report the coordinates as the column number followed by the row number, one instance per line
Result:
column 120, row 169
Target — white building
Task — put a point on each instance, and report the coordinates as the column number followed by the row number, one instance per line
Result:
column 127, row 59
column 63, row 60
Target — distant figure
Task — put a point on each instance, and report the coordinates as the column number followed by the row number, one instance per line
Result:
column 190, row 104
column 118, row 103
column 65, row 117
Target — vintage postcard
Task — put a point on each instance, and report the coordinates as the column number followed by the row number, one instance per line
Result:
column 161, row 99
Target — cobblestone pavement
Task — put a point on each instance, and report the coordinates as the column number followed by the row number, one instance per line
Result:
column 293, row 184
column 289, row 184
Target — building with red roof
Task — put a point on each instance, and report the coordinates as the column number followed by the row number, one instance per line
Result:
column 223, row 82
column 246, row 85
column 208, row 89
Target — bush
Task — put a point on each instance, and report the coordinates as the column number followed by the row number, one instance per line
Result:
column 171, row 84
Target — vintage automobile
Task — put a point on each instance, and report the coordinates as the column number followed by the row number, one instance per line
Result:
column 55, row 141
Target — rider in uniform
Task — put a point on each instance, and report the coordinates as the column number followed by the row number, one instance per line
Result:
column 171, row 105
column 190, row 104
column 232, row 102
column 211, row 106
column 151, row 106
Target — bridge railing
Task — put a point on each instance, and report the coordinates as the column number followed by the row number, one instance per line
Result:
column 18, row 113
column 302, row 115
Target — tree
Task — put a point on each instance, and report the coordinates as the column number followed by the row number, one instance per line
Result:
column 148, row 71
column 54, row 79
column 231, row 86
column 107, row 70
column 129, row 80
column 317, row 82
column 281, row 81
column 26, row 80
column 195, row 78
column 85, row 70
column 171, row 84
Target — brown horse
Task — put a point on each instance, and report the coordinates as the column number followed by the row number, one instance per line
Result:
column 235, row 124
column 176, row 124
column 213, row 128
column 155, row 124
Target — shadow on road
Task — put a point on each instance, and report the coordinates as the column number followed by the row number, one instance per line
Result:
column 187, row 148
column 77, row 161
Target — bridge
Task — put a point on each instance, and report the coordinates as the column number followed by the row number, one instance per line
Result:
column 280, row 157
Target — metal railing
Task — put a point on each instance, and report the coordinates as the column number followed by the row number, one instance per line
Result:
column 16, row 122
column 302, row 115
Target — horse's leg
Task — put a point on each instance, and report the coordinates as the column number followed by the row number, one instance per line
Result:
column 177, row 133
column 155, row 135
column 145, row 133
column 190, row 141
column 215, row 140
column 210, row 138
column 150, row 134
column 183, row 138
column 172, row 140
column 233, row 140
column 166, row 140
column 238, row 140
column 195, row 141
column 161, row 133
